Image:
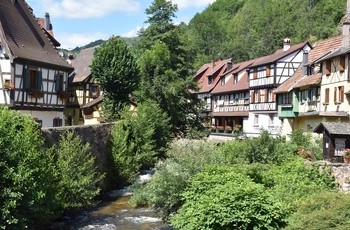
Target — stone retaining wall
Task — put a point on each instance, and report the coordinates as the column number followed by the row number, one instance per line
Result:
column 97, row 136
column 341, row 173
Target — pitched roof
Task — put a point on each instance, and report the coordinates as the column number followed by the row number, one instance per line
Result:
column 319, row 50
column 93, row 102
column 24, row 37
column 82, row 64
column 242, row 84
column 342, row 128
column 279, row 54
column 215, row 69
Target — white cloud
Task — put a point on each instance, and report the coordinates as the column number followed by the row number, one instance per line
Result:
column 70, row 41
column 183, row 4
column 88, row 8
column 131, row 33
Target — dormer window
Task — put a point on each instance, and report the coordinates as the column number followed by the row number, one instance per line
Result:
column 94, row 92
column 210, row 80
column 235, row 79
column 222, row 80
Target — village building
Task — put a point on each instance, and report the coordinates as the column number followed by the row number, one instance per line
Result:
column 33, row 75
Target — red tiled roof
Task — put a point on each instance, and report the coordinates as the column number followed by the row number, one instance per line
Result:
column 309, row 80
column 279, row 54
column 24, row 37
column 82, row 64
column 319, row 50
column 214, row 69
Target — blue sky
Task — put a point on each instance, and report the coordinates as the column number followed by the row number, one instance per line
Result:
column 79, row 22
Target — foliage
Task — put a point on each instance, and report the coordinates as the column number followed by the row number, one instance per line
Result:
column 307, row 141
column 116, row 71
column 324, row 210
column 76, row 173
column 165, row 65
column 138, row 139
column 36, row 93
column 39, row 184
column 221, row 199
column 26, row 174
column 293, row 180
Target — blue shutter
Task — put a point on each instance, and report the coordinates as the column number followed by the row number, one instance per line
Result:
column 40, row 79
column 26, row 79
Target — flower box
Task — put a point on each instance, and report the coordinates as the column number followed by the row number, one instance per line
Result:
column 36, row 93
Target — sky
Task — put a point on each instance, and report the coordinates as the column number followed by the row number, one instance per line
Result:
column 79, row 22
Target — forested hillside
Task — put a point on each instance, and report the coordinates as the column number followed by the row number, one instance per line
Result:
column 246, row 29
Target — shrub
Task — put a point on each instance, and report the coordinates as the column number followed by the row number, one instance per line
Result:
column 323, row 210
column 76, row 172
column 221, row 199
column 27, row 178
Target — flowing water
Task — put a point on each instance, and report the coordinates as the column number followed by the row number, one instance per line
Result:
column 115, row 215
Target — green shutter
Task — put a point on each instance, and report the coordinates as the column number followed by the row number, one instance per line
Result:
column 57, row 82
column 26, row 80
column 40, row 79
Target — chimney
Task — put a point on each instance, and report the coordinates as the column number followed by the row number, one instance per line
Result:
column 345, row 36
column 305, row 59
column 286, row 44
column 48, row 25
column 229, row 64
column 213, row 63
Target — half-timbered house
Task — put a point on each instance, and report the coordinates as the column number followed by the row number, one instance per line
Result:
column 230, row 98
column 264, row 77
column 33, row 75
column 299, row 97
column 85, row 109
column 207, row 78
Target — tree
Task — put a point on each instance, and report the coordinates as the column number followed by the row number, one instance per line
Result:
column 116, row 70
column 165, row 65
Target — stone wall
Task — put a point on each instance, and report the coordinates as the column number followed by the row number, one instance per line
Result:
column 97, row 136
column 341, row 173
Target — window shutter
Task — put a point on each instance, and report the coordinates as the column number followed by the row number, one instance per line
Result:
column 259, row 95
column 268, row 68
column 40, row 79
column 328, row 67
column 26, row 80
column 342, row 64
column 57, row 82
column 255, row 73
column 341, row 94
column 335, row 94
column 273, row 96
column 252, row 99
column 265, row 95
column 327, row 95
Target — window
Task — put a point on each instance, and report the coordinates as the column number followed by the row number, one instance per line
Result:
column 256, row 119
column 210, row 80
column 312, row 95
column 326, row 100
column 33, row 79
column 342, row 64
column 57, row 122
column 235, row 79
column 303, row 96
column 328, row 67
column 93, row 90
column 287, row 98
column 59, row 82
column 222, row 80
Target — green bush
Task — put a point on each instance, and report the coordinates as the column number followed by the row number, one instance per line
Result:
column 323, row 210
column 138, row 139
column 221, row 199
column 27, row 177
column 76, row 173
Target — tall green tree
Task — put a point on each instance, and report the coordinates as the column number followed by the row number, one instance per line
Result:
column 117, row 72
column 165, row 67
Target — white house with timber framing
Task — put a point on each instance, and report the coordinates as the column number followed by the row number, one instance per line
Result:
column 33, row 76
column 264, row 77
